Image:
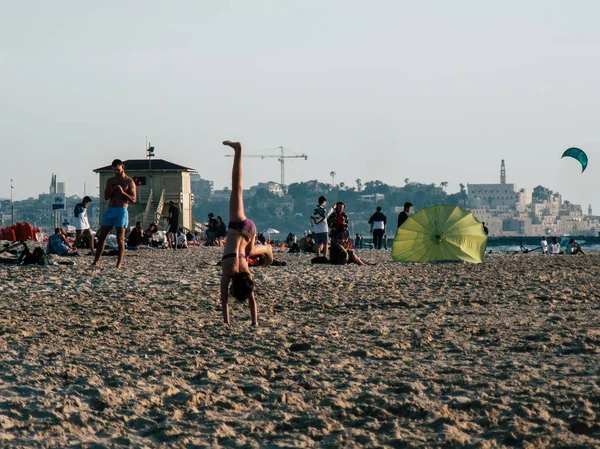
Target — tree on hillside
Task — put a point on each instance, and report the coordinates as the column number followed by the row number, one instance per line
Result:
column 541, row 194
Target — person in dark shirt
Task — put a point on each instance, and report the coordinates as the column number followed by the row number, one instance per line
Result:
column 402, row 216
column 377, row 221
column 341, row 254
column 135, row 236
column 147, row 236
column 221, row 228
column 173, row 225
column 212, row 230
column 338, row 221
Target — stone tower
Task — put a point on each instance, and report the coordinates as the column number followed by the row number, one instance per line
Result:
column 502, row 173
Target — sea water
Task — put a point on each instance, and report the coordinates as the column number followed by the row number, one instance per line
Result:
column 592, row 248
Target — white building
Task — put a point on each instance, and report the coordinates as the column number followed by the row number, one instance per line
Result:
column 272, row 187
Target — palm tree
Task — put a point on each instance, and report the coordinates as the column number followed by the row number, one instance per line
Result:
column 332, row 174
column 443, row 185
column 358, row 185
column 406, row 181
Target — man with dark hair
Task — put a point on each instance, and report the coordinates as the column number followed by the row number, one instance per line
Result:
column 173, row 225
column 148, row 233
column 321, row 229
column 119, row 192
column 338, row 221
column 135, row 236
column 82, row 225
column 212, row 230
column 402, row 216
column 221, row 228
column 377, row 221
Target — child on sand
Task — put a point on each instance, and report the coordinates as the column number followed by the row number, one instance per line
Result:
column 240, row 244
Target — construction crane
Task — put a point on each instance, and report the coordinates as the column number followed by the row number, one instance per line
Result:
column 280, row 157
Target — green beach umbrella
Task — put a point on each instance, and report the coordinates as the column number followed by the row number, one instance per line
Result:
column 440, row 233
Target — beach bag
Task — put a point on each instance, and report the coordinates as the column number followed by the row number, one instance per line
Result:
column 37, row 257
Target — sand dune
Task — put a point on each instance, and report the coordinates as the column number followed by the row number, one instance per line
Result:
column 500, row 354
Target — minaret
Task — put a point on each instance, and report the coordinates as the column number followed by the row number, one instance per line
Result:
column 502, row 173
column 589, row 210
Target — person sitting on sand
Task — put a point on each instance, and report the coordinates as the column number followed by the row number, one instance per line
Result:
column 340, row 254
column 575, row 248
column 260, row 238
column 289, row 240
column 148, row 233
column 555, row 246
column 221, row 228
column 181, row 240
column 59, row 245
column 307, row 244
column 134, row 240
column 544, row 245
column 240, row 244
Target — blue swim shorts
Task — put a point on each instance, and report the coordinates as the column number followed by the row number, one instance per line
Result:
column 117, row 217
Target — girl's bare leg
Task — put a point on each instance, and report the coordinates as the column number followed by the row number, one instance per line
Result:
column 236, row 202
column 253, row 310
column 353, row 258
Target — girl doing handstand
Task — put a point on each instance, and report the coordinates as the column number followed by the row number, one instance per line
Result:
column 240, row 244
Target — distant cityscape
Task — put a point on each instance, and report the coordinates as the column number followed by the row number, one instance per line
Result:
column 506, row 209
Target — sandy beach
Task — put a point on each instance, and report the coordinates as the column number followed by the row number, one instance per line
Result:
column 398, row 355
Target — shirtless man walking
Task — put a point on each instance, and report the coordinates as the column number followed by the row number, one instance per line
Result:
column 119, row 192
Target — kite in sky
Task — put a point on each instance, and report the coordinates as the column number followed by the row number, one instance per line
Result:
column 578, row 154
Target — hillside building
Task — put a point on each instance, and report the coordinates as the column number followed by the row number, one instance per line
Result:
column 509, row 211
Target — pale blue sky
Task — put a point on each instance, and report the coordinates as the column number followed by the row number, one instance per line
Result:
column 431, row 91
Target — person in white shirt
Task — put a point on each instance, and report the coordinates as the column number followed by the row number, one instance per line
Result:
column 82, row 225
column 378, row 221
column 544, row 245
column 321, row 230
column 555, row 246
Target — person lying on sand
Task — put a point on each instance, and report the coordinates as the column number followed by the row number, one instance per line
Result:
column 240, row 245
